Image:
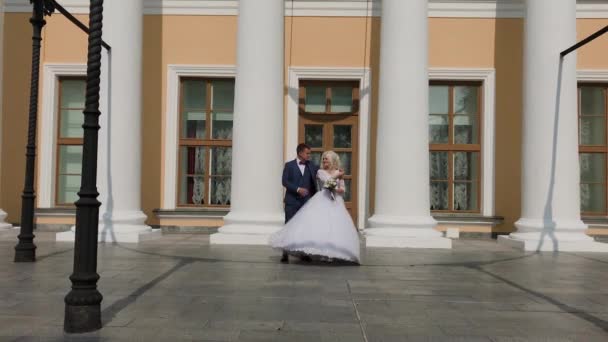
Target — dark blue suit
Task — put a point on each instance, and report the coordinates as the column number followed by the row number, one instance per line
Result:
column 292, row 180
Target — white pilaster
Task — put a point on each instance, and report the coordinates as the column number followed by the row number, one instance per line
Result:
column 550, row 218
column 3, row 224
column 402, row 215
column 256, row 208
column 119, row 172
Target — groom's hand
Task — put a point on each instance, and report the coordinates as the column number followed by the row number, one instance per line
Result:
column 302, row 192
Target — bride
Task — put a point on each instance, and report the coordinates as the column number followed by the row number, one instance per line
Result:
column 323, row 227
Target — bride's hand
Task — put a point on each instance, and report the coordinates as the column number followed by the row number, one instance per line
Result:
column 340, row 191
column 340, row 174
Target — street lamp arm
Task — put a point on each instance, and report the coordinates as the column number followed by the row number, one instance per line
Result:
column 584, row 41
column 75, row 20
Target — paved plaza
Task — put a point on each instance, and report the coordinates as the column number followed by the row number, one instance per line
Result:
column 180, row 288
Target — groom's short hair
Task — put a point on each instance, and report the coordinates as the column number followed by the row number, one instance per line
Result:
column 302, row 147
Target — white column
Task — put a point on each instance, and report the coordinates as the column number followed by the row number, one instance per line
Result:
column 402, row 215
column 550, row 218
column 3, row 225
column 119, row 171
column 257, row 147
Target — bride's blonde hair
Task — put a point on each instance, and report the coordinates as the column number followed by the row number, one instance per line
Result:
column 334, row 159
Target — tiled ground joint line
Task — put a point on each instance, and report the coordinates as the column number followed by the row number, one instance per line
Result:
column 357, row 313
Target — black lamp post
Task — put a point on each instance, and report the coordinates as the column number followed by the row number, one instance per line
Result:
column 25, row 251
column 82, row 304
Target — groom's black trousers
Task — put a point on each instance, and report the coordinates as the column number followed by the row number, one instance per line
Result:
column 291, row 210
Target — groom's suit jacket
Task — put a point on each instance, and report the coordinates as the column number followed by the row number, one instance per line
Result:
column 294, row 179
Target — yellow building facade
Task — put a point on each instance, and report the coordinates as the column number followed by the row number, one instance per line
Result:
column 332, row 93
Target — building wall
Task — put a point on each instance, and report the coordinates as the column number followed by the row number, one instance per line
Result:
column 185, row 40
column 309, row 41
column 592, row 56
column 491, row 43
column 153, row 110
column 17, row 64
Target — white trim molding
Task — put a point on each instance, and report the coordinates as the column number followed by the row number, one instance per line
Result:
column 592, row 75
column 329, row 8
column 300, row 8
column 592, row 9
column 48, row 128
column 333, row 8
column 172, row 117
column 363, row 75
column 24, row 6
column 476, row 8
column 191, row 7
column 488, row 79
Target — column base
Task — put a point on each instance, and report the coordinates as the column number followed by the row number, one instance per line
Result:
column 120, row 234
column 241, row 229
column 405, row 238
column 549, row 236
column 405, row 232
column 123, row 228
column 10, row 231
column 3, row 225
column 553, row 242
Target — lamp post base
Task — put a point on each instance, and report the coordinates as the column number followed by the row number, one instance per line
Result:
column 25, row 252
column 82, row 318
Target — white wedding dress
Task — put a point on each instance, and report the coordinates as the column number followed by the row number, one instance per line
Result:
column 321, row 228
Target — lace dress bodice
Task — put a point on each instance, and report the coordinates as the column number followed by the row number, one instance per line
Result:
column 323, row 176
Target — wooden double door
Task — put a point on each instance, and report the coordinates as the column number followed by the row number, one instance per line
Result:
column 339, row 133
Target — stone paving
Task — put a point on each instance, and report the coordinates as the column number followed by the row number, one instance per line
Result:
column 180, row 288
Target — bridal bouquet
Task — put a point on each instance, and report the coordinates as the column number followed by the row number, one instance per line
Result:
column 331, row 185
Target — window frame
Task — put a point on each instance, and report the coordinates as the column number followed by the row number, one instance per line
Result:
column 452, row 148
column 208, row 142
column 593, row 149
column 328, row 84
column 59, row 141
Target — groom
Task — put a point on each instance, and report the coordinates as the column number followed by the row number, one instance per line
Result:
column 299, row 180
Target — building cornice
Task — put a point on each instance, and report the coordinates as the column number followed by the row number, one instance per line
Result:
column 334, row 8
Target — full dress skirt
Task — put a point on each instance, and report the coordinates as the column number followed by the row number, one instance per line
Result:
column 322, row 227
